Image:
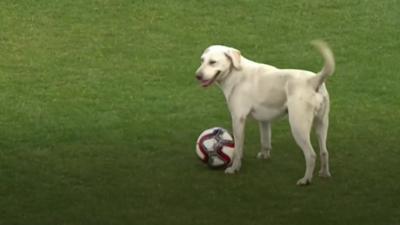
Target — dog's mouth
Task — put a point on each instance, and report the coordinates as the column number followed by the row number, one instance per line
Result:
column 206, row 83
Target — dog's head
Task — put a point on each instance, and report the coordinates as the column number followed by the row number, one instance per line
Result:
column 217, row 62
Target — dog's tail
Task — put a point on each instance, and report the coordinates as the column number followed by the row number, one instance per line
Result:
column 329, row 66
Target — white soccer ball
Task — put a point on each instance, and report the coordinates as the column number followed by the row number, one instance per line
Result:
column 215, row 147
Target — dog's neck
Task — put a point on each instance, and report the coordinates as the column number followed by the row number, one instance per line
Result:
column 228, row 84
column 233, row 77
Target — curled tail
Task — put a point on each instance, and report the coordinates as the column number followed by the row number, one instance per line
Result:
column 329, row 65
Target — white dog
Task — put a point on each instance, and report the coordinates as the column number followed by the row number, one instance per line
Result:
column 266, row 93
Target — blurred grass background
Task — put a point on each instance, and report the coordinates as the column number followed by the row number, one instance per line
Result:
column 100, row 112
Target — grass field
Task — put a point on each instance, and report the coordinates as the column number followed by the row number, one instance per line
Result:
column 100, row 111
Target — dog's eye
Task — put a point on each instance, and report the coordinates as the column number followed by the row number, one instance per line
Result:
column 212, row 62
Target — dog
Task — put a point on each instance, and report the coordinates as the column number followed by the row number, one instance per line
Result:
column 267, row 93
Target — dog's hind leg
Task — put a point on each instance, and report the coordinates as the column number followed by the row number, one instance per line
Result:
column 301, row 118
column 265, row 137
column 321, row 124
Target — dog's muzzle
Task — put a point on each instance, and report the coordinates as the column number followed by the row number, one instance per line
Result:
column 206, row 83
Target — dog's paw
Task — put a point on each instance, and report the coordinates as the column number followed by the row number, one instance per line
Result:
column 235, row 167
column 263, row 155
column 230, row 170
column 304, row 181
column 324, row 174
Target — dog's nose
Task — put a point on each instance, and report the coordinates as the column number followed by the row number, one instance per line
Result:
column 199, row 76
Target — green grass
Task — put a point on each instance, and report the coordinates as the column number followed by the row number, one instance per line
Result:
column 100, row 111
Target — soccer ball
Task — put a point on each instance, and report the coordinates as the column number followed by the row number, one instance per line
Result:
column 215, row 147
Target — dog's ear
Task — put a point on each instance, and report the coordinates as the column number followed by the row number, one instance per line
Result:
column 235, row 57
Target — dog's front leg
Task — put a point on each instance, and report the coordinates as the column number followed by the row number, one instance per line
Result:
column 265, row 136
column 238, row 124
